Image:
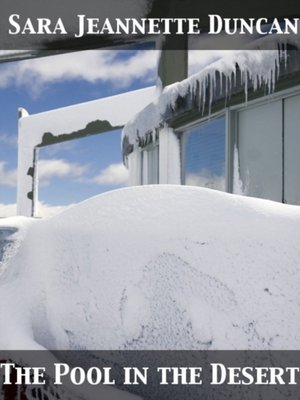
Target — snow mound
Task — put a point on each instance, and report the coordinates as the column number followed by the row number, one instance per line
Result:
column 157, row 267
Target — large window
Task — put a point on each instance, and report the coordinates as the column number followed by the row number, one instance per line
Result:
column 267, row 161
column 203, row 155
column 259, row 145
column 291, row 155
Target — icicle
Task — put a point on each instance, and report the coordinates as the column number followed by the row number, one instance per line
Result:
column 204, row 94
column 227, row 85
column 193, row 91
column 285, row 58
column 200, row 95
column 210, row 92
column 215, row 84
column 255, row 82
column 153, row 135
column 259, row 81
column 246, row 87
column 221, row 84
column 234, row 76
column 260, row 69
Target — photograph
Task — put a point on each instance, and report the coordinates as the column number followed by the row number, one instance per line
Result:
column 149, row 200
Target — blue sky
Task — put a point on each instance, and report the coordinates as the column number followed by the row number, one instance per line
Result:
column 75, row 170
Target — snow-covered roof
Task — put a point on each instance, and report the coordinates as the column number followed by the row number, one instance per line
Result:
column 250, row 68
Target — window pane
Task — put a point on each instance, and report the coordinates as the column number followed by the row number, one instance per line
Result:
column 292, row 150
column 204, row 155
column 260, row 151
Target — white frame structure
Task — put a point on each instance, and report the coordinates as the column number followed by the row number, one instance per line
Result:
column 68, row 123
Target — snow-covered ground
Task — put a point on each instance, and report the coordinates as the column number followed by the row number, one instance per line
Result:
column 154, row 267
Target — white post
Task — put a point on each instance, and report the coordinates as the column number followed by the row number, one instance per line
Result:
column 169, row 157
column 134, row 164
column 169, row 143
column 26, row 195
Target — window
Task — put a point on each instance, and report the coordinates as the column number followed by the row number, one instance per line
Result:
column 203, row 155
column 267, row 162
column 259, row 146
column 291, row 156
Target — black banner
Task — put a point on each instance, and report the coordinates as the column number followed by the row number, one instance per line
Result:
column 76, row 24
column 155, row 375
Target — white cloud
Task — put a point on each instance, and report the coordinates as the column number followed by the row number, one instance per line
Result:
column 199, row 59
column 205, row 179
column 55, row 150
column 114, row 174
column 111, row 66
column 47, row 170
column 10, row 140
column 7, row 210
column 59, row 168
column 44, row 210
column 7, row 177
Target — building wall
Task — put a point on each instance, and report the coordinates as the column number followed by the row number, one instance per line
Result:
column 251, row 149
column 267, row 139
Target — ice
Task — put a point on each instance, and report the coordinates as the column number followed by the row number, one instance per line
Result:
column 257, row 67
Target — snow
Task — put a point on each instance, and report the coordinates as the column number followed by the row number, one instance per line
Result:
column 169, row 157
column 237, row 182
column 135, row 174
column 155, row 267
column 73, row 118
column 12, row 231
column 259, row 66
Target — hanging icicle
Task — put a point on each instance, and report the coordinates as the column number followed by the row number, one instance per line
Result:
column 257, row 69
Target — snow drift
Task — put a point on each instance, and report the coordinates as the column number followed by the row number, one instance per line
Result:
column 156, row 267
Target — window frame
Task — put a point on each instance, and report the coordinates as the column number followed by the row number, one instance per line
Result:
column 233, row 122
